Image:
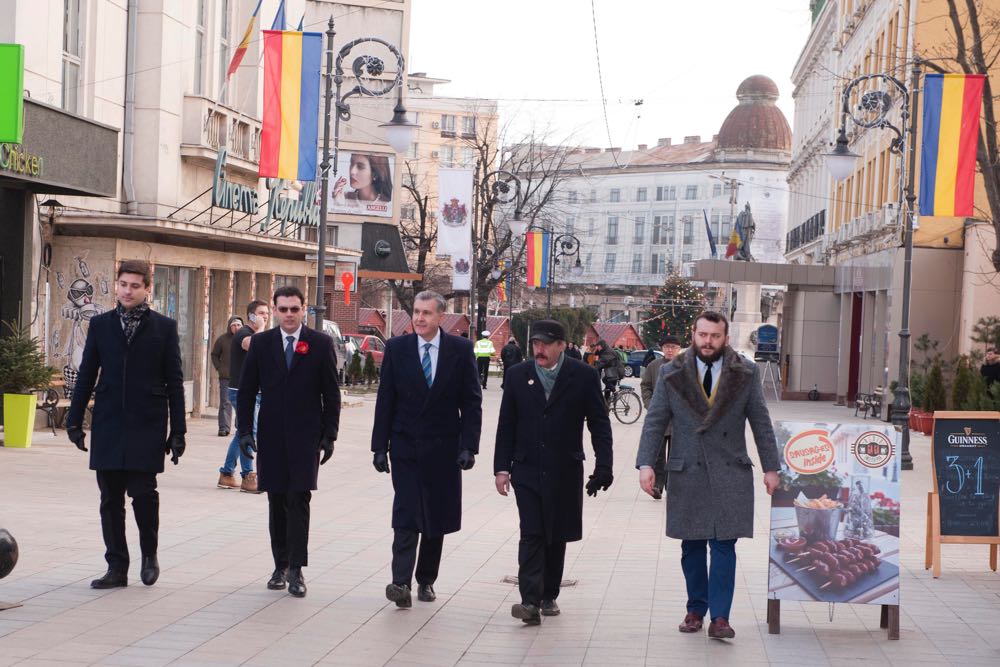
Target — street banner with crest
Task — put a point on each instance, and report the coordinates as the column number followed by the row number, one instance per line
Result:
column 455, row 223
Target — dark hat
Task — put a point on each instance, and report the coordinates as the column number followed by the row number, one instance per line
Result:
column 547, row 331
column 670, row 340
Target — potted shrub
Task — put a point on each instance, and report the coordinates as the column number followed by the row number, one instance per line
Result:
column 934, row 398
column 962, row 386
column 916, row 386
column 22, row 371
column 354, row 368
column 369, row 371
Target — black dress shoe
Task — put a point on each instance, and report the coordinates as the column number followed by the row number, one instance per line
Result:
column 277, row 580
column 296, row 582
column 425, row 593
column 400, row 594
column 528, row 613
column 150, row 570
column 223, row 433
column 111, row 579
column 550, row 608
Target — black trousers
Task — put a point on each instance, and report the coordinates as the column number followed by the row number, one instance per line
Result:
column 660, row 467
column 141, row 488
column 540, row 568
column 288, row 521
column 484, row 369
column 405, row 557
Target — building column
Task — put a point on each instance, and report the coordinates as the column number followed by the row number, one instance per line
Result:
column 844, row 345
column 198, row 374
column 16, row 256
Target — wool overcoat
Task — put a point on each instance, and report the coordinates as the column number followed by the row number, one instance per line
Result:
column 709, row 474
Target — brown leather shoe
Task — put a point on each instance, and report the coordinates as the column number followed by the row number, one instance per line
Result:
column 720, row 629
column 692, row 623
column 228, row 481
column 249, row 484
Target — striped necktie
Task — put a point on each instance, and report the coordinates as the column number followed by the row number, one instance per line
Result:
column 425, row 363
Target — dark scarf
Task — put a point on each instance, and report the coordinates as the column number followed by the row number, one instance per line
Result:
column 131, row 319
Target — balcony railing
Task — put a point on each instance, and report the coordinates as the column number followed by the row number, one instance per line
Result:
column 209, row 126
column 808, row 231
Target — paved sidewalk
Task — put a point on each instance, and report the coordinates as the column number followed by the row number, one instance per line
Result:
column 210, row 606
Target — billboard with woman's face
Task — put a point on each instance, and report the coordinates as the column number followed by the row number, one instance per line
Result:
column 363, row 185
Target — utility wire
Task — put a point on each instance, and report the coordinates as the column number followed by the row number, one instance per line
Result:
column 600, row 79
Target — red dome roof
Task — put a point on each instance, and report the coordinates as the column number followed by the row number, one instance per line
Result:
column 755, row 123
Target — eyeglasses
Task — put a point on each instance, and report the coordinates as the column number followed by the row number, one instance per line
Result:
column 289, row 309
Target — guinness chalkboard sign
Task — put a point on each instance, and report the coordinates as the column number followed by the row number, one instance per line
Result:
column 967, row 474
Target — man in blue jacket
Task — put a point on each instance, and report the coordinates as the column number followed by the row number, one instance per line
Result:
column 140, row 390
column 427, row 419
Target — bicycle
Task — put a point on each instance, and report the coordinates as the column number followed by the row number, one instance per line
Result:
column 625, row 404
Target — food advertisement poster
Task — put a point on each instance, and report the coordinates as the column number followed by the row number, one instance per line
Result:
column 835, row 516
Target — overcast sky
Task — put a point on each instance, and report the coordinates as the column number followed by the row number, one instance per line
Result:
column 683, row 58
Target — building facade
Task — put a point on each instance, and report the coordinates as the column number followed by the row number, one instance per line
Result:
column 188, row 198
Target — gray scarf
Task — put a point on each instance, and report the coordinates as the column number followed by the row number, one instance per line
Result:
column 132, row 318
column 547, row 376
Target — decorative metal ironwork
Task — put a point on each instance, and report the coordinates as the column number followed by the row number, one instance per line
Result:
column 875, row 104
column 368, row 71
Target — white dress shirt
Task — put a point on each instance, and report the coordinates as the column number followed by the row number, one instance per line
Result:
column 716, row 372
column 285, row 335
column 433, row 351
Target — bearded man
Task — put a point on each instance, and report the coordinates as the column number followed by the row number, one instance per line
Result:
column 707, row 394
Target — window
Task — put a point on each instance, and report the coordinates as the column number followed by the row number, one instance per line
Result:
column 72, row 55
column 224, row 44
column 407, row 212
column 657, row 230
column 686, row 257
column 591, row 226
column 715, row 226
column 469, row 126
column 636, row 263
column 447, row 124
column 586, row 262
column 688, row 230
column 572, row 196
column 468, row 157
column 640, row 194
column 640, row 230
column 613, row 230
column 725, row 228
column 609, row 262
column 413, row 151
column 717, row 189
column 199, row 49
column 616, row 195
column 448, row 156
column 570, row 224
column 593, row 196
column 666, row 193
column 691, row 192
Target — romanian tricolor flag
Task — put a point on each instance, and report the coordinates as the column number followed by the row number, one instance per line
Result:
column 289, row 135
column 241, row 50
column 950, row 137
column 502, row 285
column 734, row 243
column 537, row 256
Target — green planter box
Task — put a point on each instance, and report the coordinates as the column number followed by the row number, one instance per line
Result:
column 18, row 419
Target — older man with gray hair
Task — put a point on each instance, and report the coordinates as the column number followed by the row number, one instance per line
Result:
column 428, row 415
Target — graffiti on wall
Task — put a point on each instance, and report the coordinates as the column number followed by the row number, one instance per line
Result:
column 80, row 290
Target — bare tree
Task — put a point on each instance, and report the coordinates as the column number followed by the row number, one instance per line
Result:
column 975, row 49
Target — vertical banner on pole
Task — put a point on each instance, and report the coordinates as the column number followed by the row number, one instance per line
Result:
column 455, row 223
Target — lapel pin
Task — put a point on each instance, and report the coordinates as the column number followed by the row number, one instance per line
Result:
column 531, row 382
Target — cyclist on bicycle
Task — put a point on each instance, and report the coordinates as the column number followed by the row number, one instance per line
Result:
column 611, row 367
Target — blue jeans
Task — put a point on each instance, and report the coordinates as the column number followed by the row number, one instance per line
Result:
column 709, row 588
column 234, row 451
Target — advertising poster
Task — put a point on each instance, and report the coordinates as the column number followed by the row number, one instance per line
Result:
column 363, row 185
column 835, row 516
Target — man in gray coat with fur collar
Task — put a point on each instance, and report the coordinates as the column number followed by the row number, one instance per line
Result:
column 708, row 393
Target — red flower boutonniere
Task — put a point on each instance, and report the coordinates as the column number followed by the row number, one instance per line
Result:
column 302, row 347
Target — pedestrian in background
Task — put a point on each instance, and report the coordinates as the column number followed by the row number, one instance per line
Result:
column 707, row 394
column 258, row 317
column 539, row 451
column 669, row 346
column 990, row 370
column 510, row 355
column 610, row 366
column 428, row 415
column 573, row 351
column 132, row 366
column 294, row 369
column 484, row 350
column 221, row 363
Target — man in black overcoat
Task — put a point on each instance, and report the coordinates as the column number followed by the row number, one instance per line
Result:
column 427, row 420
column 295, row 370
column 139, row 391
column 539, row 450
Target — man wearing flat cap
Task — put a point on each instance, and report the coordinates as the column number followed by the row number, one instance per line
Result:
column 669, row 346
column 539, row 451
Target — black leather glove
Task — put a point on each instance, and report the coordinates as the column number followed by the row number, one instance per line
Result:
column 381, row 461
column 247, row 445
column 466, row 459
column 77, row 437
column 175, row 447
column 325, row 446
column 600, row 480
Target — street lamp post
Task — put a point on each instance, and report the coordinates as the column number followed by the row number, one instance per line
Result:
column 505, row 188
column 399, row 131
column 564, row 245
column 872, row 113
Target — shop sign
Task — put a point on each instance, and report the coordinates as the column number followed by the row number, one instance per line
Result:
column 229, row 195
column 15, row 159
column 243, row 198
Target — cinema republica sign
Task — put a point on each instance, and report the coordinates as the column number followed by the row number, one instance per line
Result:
column 243, row 198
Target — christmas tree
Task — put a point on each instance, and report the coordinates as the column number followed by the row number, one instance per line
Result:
column 674, row 309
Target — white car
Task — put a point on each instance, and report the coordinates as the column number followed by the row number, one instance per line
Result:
column 340, row 347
